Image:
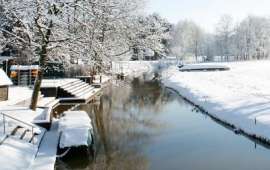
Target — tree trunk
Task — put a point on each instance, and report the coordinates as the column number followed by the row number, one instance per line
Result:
column 39, row 78
column 42, row 61
column 196, row 51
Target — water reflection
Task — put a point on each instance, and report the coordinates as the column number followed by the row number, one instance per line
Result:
column 142, row 125
column 124, row 122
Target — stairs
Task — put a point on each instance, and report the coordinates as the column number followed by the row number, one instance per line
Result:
column 19, row 130
column 69, row 91
column 19, row 142
column 23, row 134
column 78, row 89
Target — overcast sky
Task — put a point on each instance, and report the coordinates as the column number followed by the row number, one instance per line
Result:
column 206, row 13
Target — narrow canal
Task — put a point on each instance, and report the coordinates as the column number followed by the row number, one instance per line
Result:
column 143, row 126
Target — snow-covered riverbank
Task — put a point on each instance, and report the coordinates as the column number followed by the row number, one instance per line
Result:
column 239, row 97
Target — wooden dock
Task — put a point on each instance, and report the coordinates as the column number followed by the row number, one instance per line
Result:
column 46, row 156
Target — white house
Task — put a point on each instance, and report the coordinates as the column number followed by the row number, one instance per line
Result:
column 5, row 82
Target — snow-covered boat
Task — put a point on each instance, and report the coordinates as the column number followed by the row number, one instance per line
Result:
column 203, row 67
column 76, row 133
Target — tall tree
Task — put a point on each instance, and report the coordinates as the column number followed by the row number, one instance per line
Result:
column 188, row 40
column 253, row 38
column 224, row 33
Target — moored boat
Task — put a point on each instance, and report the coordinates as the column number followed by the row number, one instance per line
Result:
column 76, row 134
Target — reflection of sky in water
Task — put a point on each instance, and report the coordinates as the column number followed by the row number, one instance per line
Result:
column 147, row 127
column 194, row 141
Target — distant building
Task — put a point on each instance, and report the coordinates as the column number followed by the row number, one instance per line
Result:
column 149, row 54
column 5, row 82
column 144, row 54
column 24, row 75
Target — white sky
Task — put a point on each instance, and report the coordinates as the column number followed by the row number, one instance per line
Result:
column 206, row 13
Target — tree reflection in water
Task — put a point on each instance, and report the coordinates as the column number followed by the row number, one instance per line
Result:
column 124, row 120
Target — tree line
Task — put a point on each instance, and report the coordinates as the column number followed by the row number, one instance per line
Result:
column 246, row 40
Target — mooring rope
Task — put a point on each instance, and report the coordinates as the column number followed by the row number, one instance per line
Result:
column 63, row 154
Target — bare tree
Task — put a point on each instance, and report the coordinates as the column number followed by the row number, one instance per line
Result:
column 224, row 32
column 188, row 39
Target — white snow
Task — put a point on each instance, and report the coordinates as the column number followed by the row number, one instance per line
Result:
column 25, row 114
column 17, row 95
column 75, row 127
column 57, row 82
column 75, row 137
column 237, row 97
column 4, row 80
column 16, row 154
column 46, row 155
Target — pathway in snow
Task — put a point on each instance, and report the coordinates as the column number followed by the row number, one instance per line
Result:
column 46, row 156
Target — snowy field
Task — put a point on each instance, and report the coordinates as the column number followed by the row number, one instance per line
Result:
column 239, row 97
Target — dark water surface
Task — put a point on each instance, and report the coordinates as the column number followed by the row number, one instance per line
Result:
column 145, row 126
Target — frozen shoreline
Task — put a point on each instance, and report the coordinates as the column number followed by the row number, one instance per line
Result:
column 238, row 97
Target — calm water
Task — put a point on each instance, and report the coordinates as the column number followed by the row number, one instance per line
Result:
column 144, row 126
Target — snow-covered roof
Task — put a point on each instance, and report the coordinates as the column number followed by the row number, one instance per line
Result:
column 28, row 67
column 4, row 80
column 5, row 58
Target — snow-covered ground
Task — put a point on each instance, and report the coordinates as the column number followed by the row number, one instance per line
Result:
column 23, row 113
column 240, row 97
column 16, row 154
column 17, row 95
